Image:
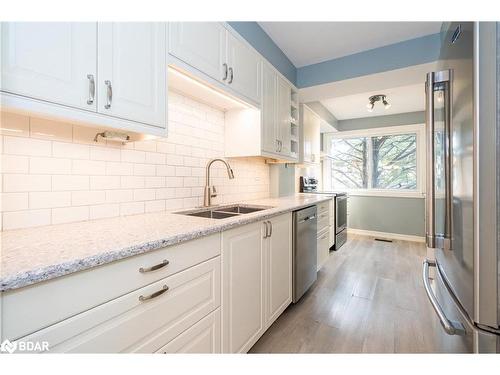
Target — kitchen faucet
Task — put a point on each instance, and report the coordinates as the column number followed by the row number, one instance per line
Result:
column 210, row 191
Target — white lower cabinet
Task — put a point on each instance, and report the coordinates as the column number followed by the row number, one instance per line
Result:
column 278, row 262
column 256, row 280
column 203, row 337
column 142, row 321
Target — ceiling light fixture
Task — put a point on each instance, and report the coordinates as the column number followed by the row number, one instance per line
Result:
column 377, row 98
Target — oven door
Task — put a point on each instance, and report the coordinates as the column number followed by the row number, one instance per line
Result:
column 341, row 213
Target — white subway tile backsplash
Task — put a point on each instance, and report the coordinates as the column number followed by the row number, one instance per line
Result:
column 15, row 164
column 104, row 182
column 46, row 165
column 85, row 198
column 26, row 146
column 104, row 210
column 14, row 201
column 132, row 208
column 49, row 199
column 89, row 167
column 65, row 183
column 70, row 214
column 105, row 153
column 133, row 156
column 25, row 219
column 66, row 176
column 26, row 182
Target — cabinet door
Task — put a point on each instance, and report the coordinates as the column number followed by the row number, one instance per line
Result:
column 51, row 61
column 245, row 64
column 201, row 45
column 278, row 267
column 242, row 287
column 284, row 106
column 132, row 70
column 203, row 337
column 268, row 108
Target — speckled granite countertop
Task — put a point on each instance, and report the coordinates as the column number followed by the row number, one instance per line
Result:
column 37, row 254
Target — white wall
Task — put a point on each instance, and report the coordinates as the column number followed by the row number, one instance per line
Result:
column 53, row 172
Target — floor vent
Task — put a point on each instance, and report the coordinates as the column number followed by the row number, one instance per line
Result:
column 383, row 240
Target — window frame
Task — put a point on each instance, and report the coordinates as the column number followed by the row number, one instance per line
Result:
column 418, row 129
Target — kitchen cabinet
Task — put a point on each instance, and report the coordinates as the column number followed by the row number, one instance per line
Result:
column 242, row 287
column 269, row 107
column 50, row 61
column 283, row 110
column 244, row 66
column 269, row 133
column 219, row 54
column 257, row 280
column 278, row 262
column 200, row 44
column 112, row 75
column 310, row 124
column 323, row 250
column 132, row 71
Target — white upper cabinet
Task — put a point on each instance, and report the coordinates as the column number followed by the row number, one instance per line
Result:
column 50, row 61
column 200, row 44
column 244, row 68
column 269, row 110
column 108, row 74
column 310, row 136
column 133, row 71
column 284, row 100
column 214, row 51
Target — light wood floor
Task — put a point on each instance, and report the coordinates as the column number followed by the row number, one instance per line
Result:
column 368, row 298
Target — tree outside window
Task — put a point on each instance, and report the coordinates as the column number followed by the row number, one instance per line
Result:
column 380, row 162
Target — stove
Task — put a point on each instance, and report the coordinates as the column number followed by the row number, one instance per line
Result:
column 310, row 185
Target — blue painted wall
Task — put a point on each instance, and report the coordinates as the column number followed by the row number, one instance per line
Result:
column 395, row 56
column 258, row 38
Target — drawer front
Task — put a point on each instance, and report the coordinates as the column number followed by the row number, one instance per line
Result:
column 323, row 221
column 323, row 250
column 132, row 323
column 35, row 307
column 203, row 337
column 323, row 207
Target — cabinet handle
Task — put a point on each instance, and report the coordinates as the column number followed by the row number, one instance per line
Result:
column 225, row 71
column 109, row 94
column 153, row 295
column 155, row 267
column 280, row 146
column 266, row 230
column 271, row 229
column 91, row 98
column 231, row 75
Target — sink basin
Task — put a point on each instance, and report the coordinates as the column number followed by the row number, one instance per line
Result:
column 239, row 209
column 224, row 212
column 210, row 214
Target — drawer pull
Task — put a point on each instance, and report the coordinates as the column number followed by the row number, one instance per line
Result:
column 155, row 267
column 154, row 295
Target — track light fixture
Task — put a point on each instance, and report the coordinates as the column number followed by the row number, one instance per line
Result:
column 377, row 98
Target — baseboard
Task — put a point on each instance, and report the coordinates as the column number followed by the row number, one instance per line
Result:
column 391, row 236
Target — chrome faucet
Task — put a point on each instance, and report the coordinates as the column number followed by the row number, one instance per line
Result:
column 210, row 191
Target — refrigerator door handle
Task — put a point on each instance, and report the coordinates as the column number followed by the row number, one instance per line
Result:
column 450, row 327
column 430, row 226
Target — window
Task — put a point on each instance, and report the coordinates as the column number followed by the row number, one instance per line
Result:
column 377, row 160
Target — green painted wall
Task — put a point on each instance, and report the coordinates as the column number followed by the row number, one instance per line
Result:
column 387, row 214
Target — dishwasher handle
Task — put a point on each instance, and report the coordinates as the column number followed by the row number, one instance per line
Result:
column 307, row 218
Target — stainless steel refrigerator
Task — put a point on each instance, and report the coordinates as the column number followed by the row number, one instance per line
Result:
column 462, row 282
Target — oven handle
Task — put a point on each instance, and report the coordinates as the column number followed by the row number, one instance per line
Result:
column 450, row 327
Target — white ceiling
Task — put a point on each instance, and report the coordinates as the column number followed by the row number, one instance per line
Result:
column 306, row 43
column 402, row 99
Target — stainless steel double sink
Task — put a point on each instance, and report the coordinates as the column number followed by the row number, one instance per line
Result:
column 223, row 212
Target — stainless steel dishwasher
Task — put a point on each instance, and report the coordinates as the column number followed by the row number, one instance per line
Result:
column 304, row 250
